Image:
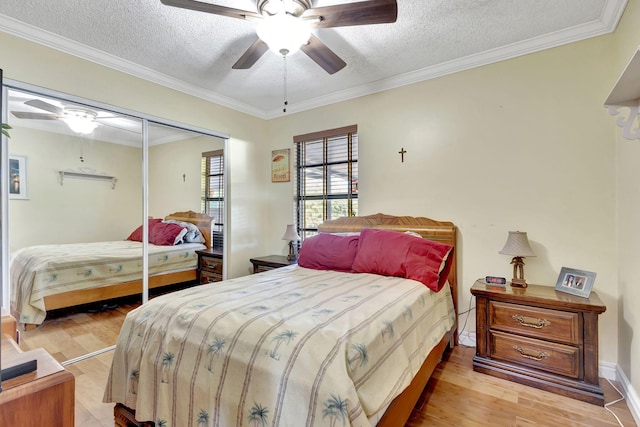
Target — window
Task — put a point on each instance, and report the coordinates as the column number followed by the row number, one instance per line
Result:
column 327, row 177
column 213, row 192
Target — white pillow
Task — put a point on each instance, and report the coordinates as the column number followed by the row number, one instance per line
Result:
column 192, row 234
column 180, row 237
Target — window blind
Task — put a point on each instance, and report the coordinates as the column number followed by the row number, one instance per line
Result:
column 326, row 177
column 212, row 184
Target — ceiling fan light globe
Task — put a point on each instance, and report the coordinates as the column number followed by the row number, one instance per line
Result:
column 283, row 33
column 80, row 121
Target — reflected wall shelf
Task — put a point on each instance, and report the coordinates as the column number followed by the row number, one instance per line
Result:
column 626, row 94
column 87, row 175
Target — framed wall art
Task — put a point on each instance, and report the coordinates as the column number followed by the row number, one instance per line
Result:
column 18, row 177
column 280, row 165
column 576, row 282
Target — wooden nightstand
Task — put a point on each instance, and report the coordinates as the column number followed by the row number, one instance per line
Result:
column 539, row 337
column 270, row 262
column 209, row 266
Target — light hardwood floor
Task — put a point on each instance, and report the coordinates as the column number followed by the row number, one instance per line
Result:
column 455, row 396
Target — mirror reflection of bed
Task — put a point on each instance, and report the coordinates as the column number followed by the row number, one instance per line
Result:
column 88, row 208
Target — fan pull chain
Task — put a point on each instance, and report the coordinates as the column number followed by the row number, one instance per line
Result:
column 284, row 108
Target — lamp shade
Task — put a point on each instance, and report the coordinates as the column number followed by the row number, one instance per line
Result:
column 283, row 33
column 80, row 121
column 291, row 235
column 517, row 245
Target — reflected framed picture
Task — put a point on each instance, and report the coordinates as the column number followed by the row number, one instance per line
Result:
column 576, row 282
column 280, row 165
column 18, row 177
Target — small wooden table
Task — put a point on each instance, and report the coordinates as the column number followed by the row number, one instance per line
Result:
column 45, row 397
column 9, row 325
column 270, row 262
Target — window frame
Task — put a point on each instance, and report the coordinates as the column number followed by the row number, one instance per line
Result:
column 350, row 135
column 218, row 217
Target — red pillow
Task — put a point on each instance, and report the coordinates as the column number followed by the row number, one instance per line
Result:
column 390, row 253
column 136, row 235
column 429, row 263
column 165, row 234
column 328, row 252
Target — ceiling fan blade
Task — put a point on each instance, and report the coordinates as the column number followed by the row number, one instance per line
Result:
column 348, row 14
column 251, row 56
column 212, row 8
column 323, row 56
column 33, row 116
column 38, row 103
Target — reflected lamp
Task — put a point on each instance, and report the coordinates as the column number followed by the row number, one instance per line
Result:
column 292, row 236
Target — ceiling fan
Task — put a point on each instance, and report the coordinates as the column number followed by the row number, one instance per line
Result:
column 284, row 26
column 79, row 119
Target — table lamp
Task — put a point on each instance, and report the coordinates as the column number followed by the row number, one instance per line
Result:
column 292, row 236
column 518, row 246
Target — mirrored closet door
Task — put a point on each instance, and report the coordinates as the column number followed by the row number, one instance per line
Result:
column 83, row 178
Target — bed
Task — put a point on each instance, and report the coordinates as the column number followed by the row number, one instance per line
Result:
column 292, row 346
column 51, row 277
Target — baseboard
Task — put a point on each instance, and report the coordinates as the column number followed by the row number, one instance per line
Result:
column 467, row 339
column 633, row 402
column 608, row 370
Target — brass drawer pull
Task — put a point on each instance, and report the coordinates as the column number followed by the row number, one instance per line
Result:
column 540, row 356
column 537, row 323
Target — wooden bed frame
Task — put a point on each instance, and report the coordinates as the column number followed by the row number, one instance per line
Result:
column 86, row 296
column 401, row 407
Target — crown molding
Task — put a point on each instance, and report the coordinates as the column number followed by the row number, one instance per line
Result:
column 54, row 41
column 607, row 22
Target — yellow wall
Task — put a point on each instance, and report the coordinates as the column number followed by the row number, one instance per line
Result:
column 169, row 190
column 37, row 65
column 524, row 144
column 627, row 41
column 79, row 210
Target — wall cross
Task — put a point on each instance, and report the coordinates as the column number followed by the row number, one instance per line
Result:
column 402, row 152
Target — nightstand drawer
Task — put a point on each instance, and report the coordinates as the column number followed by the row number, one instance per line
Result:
column 209, row 277
column 261, row 268
column 541, row 355
column 560, row 326
column 270, row 262
column 211, row 264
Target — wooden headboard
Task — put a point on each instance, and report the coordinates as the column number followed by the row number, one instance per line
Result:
column 202, row 221
column 439, row 231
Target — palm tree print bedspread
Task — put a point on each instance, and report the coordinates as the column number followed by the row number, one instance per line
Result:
column 287, row 347
column 41, row 271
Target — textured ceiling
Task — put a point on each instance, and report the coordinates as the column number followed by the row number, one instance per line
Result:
column 194, row 51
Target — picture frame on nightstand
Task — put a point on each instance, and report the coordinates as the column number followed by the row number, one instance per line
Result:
column 575, row 282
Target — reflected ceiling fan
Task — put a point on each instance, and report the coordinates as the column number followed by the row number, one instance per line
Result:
column 284, row 26
column 79, row 119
